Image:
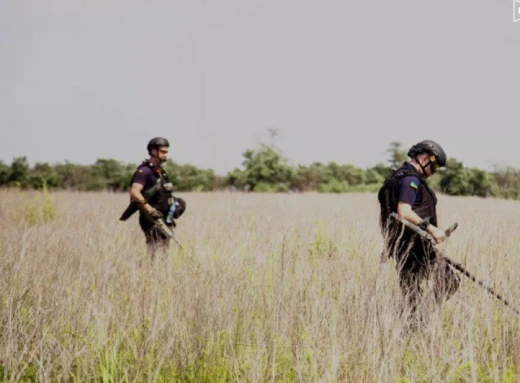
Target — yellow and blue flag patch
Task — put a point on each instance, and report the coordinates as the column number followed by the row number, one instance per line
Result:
column 413, row 184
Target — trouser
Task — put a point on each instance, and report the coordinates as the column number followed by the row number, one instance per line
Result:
column 155, row 239
column 419, row 262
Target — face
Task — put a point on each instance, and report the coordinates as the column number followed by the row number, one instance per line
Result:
column 161, row 153
column 432, row 168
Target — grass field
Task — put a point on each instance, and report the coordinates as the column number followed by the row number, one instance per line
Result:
column 274, row 288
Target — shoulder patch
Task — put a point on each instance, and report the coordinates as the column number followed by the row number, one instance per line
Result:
column 413, row 184
column 140, row 170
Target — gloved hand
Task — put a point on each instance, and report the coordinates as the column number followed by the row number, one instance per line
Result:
column 156, row 214
column 437, row 234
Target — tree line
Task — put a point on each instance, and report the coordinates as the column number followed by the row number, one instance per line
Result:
column 263, row 169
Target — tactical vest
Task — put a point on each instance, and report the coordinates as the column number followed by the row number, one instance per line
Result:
column 389, row 193
column 158, row 196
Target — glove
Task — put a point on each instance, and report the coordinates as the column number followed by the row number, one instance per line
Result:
column 156, row 214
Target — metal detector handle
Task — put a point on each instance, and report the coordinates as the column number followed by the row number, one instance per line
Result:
column 413, row 227
column 451, row 229
column 421, row 232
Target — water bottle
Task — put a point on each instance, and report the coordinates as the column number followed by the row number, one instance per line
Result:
column 169, row 217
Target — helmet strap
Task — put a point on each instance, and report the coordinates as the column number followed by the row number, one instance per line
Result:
column 423, row 167
column 432, row 163
column 159, row 161
column 154, row 155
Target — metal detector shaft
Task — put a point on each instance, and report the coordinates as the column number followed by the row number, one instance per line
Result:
column 161, row 225
column 455, row 265
column 459, row 267
column 177, row 241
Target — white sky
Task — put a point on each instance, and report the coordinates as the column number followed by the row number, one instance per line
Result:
column 81, row 80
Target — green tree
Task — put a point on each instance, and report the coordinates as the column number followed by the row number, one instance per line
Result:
column 299, row 179
column 78, row 177
column 236, row 178
column 112, row 174
column 5, row 172
column 455, row 179
column 316, row 174
column 264, row 168
column 42, row 174
column 506, row 182
column 373, row 177
column 334, row 186
column 351, row 174
column 189, row 177
column 19, row 174
column 397, row 155
column 480, row 183
column 381, row 169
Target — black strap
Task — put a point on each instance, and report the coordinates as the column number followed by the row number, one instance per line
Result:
column 424, row 223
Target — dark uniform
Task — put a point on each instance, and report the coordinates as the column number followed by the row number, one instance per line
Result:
column 158, row 192
column 415, row 257
column 152, row 176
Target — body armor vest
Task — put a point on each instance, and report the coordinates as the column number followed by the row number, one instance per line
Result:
column 160, row 198
column 388, row 199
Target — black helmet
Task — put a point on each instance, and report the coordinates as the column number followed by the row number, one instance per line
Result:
column 157, row 142
column 431, row 147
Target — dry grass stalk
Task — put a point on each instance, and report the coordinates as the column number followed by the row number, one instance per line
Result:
column 281, row 288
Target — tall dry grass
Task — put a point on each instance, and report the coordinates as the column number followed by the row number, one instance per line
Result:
column 276, row 288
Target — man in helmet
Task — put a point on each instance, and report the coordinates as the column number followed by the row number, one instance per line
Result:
column 406, row 192
column 151, row 179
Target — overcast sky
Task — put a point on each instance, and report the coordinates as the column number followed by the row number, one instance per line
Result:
column 81, row 80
